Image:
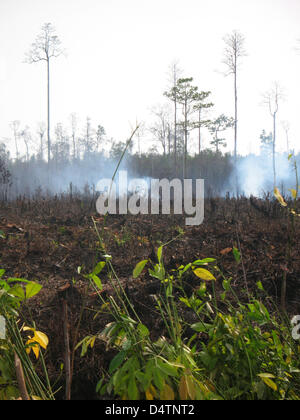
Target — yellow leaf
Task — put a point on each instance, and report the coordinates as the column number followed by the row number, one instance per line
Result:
column 294, row 193
column 91, row 341
column 28, row 329
column 38, row 339
column 279, row 197
column 183, row 389
column 190, row 387
column 167, row 393
column 204, row 274
column 35, row 348
column 266, row 377
column 270, row 383
column 41, row 339
column 149, row 395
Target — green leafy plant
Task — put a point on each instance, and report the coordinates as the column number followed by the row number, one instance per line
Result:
column 18, row 376
column 230, row 349
column 239, row 352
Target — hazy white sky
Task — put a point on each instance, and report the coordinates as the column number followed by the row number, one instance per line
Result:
column 118, row 53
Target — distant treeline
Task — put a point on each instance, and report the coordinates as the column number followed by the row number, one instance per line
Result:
column 81, row 175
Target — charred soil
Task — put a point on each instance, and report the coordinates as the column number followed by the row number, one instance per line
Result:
column 46, row 240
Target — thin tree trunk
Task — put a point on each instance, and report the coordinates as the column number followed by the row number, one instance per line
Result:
column 235, row 127
column 185, row 141
column 235, row 117
column 274, row 148
column 175, row 133
column 74, row 146
column 48, row 109
column 16, row 144
column 199, row 132
column 41, row 149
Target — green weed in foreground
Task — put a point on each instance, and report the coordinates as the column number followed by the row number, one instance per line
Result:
column 15, row 350
column 233, row 351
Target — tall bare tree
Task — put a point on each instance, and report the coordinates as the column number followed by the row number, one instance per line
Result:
column 234, row 51
column 74, row 125
column 15, row 126
column 160, row 128
column 41, row 130
column 175, row 73
column 271, row 99
column 27, row 138
column 88, row 140
column 45, row 47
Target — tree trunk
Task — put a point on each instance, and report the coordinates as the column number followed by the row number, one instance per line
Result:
column 185, row 142
column 74, row 146
column 175, row 133
column 199, row 132
column 274, row 148
column 235, row 125
column 48, row 109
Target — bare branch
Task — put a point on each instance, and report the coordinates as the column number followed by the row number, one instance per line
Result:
column 46, row 46
column 272, row 97
column 234, row 50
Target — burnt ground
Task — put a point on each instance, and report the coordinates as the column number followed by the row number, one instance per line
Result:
column 48, row 239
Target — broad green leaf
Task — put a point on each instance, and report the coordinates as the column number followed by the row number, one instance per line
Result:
column 260, row 286
column 205, row 261
column 204, row 274
column 99, row 267
column 200, row 327
column 143, row 330
column 16, row 280
column 117, row 361
column 97, row 281
column 139, row 268
column 226, row 285
column 159, row 253
column 158, row 378
column 166, row 368
column 142, row 379
column 32, row 289
column 184, row 269
column 158, row 272
column 202, row 289
column 133, row 392
column 17, row 291
column 236, row 254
